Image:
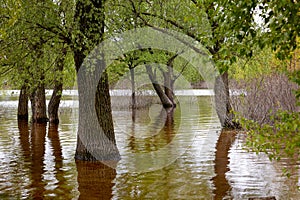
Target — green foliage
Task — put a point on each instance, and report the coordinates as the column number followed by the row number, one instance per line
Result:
column 116, row 70
column 190, row 73
column 137, row 59
column 31, row 48
column 281, row 20
column 279, row 140
column 69, row 72
column 228, row 29
column 262, row 63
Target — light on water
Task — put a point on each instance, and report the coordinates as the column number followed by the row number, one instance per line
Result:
column 197, row 161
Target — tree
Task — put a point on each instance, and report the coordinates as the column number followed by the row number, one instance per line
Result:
column 165, row 93
column 23, row 104
column 50, row 27
column 57, row 90
column 92, row 144
column 30, row 51
column 227, row 29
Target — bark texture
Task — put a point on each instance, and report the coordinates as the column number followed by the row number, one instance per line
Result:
column 57, row 91
column 133, row 98
column 169, row 85
column 166, row 102
column 38, row 105
column 54, row 103
column 96, row 138
column 23, row 104
column 222, row 99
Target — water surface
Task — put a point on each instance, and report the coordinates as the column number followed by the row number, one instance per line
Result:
column 37, row 161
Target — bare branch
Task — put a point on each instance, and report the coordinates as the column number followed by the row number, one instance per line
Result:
column 180, row 73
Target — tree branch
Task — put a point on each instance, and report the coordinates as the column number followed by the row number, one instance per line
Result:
column 183, row 68
column 174, row 23
column 52, row 30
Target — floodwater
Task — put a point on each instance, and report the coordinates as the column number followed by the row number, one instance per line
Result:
column 179, row 155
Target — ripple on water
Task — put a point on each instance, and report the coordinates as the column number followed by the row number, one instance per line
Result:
column 253, row 174
column 54, row 173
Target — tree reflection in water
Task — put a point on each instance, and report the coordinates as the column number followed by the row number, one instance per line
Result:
column 222, row 187
column 53, row 135
column 95, row 180
column 33, row 145
column 161, row 128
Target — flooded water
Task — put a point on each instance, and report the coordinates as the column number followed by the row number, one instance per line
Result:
column 194, row 160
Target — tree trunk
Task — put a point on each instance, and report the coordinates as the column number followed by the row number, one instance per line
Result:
column 133, row 98
column 222, row 99
column 54, row 103
column 96, row 138
column 57, row 91
column 103, row 108
column 38, row 105
column 169, row 79
column 169, row 84
column 23, row 104
column 166, row 102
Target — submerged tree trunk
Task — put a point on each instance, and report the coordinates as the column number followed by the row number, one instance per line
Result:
column 23, row 104
column 169, row 85
column 54, row 103
column 222, row 99
column 133, row 98
column 38, row 105
column 57, row 92
column 166, row 102
column 96, row 138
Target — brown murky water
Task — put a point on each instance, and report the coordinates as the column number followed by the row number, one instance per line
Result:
column 196, row 160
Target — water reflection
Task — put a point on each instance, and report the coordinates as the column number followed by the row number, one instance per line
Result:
column 24, row 139
column 35, row 155
column 222, row 187
column 95, row 180
column 58, row 179
column 37, row 161
column 159, row 131
column 46, row 174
